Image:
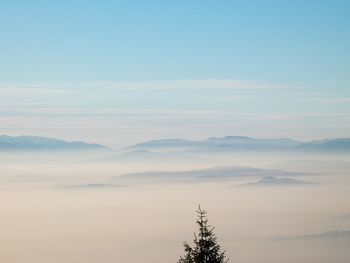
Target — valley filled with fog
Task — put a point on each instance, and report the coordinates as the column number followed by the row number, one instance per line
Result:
column 123, row 124
column 138, row 204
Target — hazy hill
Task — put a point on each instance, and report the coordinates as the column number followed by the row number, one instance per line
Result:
column 335, row 235
column 165, row 143
column 211, row 174
column 327, row 145
column 35, row 143
column 93, row 186
column 314, row 166
column 241, row 143
column 274, row 181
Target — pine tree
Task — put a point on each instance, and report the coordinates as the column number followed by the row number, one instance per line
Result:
column 206, row 248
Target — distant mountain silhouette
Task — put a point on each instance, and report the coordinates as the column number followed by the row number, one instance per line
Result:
column 218, row 173
column 164, row 143
column 314, row 166
column 335, row 235
column 327, row 145
column 35, row 143
column 274, row 181
column 87, row 187
column 241, row 143
column 344, row 217
column 224, row 143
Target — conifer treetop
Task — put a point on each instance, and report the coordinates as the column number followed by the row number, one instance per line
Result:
column 205, row 248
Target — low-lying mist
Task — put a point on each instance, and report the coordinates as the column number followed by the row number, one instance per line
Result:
column 76, row 206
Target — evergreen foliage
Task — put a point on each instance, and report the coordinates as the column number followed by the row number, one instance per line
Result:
column 206, row 248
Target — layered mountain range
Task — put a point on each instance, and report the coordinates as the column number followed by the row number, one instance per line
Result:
column 213, row 144
column 241, row 143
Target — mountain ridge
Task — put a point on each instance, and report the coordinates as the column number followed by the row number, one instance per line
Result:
column 216, row 173
column 38, row 143
column 243, row 143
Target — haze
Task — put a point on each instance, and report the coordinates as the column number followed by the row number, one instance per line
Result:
column 45, row 219
column 118, row 118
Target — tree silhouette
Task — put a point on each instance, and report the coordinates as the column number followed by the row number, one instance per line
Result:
column 206, row 248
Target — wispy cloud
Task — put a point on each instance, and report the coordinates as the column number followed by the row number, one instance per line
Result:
column 149, row 85
column 344, row 100
column 18, row 89
column 81, row 111
column 191, row 84
column 181, row 108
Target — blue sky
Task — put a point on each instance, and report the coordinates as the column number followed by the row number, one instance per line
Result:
column 144, row 69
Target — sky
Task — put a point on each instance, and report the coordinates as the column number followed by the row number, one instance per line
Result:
column 121, row 72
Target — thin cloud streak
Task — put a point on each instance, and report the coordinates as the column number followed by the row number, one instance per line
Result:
column 345, row 100
column 32, row 110
column 152, row 85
